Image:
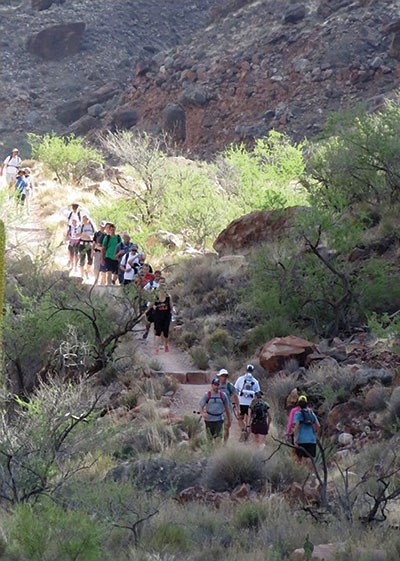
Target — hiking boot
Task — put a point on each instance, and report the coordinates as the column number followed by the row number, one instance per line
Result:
column 166, row 349
column 145, row 335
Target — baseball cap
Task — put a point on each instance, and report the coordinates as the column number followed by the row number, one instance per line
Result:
column 302, row 398
column 103, row 223
column 215, row 381
column 223, row 372
column 250, row 368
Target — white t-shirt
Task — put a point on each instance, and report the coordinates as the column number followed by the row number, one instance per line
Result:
column 12, row 163
column 246, row 386
column 152, row 285
column 128, row 261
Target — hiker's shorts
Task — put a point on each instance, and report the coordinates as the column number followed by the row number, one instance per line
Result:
column 111, row 266
column 244, row 409
column 214, row 428
column 305, row 447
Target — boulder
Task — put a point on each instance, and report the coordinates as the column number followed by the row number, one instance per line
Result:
column 124, row 119
column 276, row 352
column 58, row 41
column 197, row 378
column 71, row 111
column 258, row 227
column 322, row 552
column 85, row 124
column 40, row 5
column 345, row 439
column 174, row 121
column 343, row 415
column 295, row 14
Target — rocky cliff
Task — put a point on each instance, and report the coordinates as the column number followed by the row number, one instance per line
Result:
column 208, row 72
column 82, row 52
column 265, row 64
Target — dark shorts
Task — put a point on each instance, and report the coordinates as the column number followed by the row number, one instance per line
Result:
column 85, row 251
column 244, row 409
column 103, row 268
column 126, row 281
column 111, row 265
column 214, row 428
column 161, row 325
column 302, row 450
column 73, row 249
column 259, row 427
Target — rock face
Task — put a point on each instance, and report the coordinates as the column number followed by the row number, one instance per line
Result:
column 40, row 5
column 256, row 228
column 267, row 64
column 274, row 353
column 58, row 41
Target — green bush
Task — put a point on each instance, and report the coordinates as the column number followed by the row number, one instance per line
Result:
column 47, row 532
column 219, row 342
column 250, row 516
column 169, row 537
column 68, row 157
column 230, row 467
column 199, row 357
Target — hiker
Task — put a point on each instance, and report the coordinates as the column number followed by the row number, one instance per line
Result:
column 162, row 312
column 215, row 410
column 128, row 266
column 99, row 270
column 29, row 189
column 146, row 275
column 73, row 238
column 149, row 315
column 259, row 418
column 246, row 385
column 291, row 401
column 21, row 186
column 120, row 251
column 231, row 393
column 305, row 432
column 74, row 214
column 110, row 242
column 87, row 231
column 11, row 164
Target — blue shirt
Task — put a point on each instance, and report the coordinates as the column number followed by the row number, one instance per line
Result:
column 306, row 434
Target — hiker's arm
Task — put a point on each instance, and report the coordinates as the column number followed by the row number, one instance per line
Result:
column 235, row 400
column 228, row 414
column 317, row 429
column 296, row 427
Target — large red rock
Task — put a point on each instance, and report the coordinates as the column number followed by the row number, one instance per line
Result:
column 58, row 41
column 258, row 227
column 274, row 353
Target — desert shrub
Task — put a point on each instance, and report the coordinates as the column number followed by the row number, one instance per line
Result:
column 219, row 342
column 189, row 339
column 281, row 470
column 169, row 537
column 130, row 399
column 230, row 467
column 250, row 515
column 155, row 364
column 199, row 357
column 376, row 398
column 331, row 382
column 68, row 157
column 278, row 389
column 47, row 532
column 191, row 426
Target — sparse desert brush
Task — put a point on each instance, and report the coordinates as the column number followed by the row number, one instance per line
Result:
column 251, row 515
column 232, row 466
column 281, row 470
column 199, row 358
column 278, row 389
column 219, row 342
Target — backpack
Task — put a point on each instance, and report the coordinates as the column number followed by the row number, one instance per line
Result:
column 108, row 240
column 260, row 411
column 307, row 417
column 214, row 399
column 77, row 213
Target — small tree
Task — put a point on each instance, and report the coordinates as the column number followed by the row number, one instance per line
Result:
column 68, row 157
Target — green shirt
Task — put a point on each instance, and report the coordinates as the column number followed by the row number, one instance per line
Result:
column 110, row 244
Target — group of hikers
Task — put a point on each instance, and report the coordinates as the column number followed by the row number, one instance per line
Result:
column 18, row 179
column 245, row 400
column 116, row 260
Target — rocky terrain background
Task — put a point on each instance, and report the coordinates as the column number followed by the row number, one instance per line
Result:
column 57, row 51
column 208, row 72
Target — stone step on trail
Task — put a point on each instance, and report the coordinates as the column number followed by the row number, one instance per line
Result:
column 195, row 377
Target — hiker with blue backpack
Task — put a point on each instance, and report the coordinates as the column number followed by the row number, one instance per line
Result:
column 306, row 429
column 215, row 410
column 21, row 187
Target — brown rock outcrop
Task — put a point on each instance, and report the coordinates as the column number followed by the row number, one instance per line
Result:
column 58, row 41
column 274, row 353
column 256, row 228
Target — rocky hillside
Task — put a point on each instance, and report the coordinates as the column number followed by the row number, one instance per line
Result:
column 57, row 51
column 265, row 64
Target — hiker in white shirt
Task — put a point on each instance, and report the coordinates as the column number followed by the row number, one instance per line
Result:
column 11, row 164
